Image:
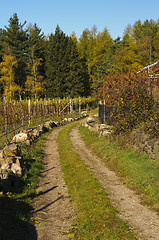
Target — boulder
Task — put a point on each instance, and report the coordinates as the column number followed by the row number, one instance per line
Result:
column 90, row 119
column 41, row 128
column 106, row 133
column 76, row 118
column 36, row 133
column 12, row 164
column 20, row 137
column 65, row 120
column 84, row 112
column 50, row 124
column 1, row 154
column 92, row 123
column 28, row 142
column 8, row 181
column 57, row 123
column 70, row 119
column 156, row 149
column 13, row 147
column 6, row 184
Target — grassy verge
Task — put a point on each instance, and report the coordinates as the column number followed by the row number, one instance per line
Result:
column 15, row 208
column 97, row 219
column 137, row 171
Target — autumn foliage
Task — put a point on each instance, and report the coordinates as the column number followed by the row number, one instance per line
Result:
column 129, row 99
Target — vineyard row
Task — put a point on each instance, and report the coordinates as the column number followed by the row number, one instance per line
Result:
column 19, row 115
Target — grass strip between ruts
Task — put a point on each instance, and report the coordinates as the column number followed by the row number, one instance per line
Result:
column 96, row 217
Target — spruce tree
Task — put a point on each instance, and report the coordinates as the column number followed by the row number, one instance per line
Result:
column 78, row 77
column 16, row 38
column 67, row 74
column 56, row 64
column 36, row 47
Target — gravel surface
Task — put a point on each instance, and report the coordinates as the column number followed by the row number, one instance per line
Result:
column 53, row 212
column 143, row 221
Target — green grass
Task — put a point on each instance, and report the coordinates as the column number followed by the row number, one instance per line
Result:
column 137, row 171
column 15, row 208
column 96, row 218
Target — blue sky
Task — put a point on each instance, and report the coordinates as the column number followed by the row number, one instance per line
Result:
column 73, row 15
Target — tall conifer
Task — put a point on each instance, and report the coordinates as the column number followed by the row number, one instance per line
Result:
column 64, row 69
column 16, row 38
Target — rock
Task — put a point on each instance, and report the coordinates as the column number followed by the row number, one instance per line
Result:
column 106, row 133
column 1, row 154
column 41, row 128
column 28, row 142
column 36, row 133
column 70, row 119
column 13, row 148
column 76, row 118
column 8, row 152
column 56, row 123
column 90, row 119
column 12, row 164
column 84, row 112
column 65, row 119
column 92, row 123
column 50, row 124
column 20, row 137
column 9, row 182
column 156, row 149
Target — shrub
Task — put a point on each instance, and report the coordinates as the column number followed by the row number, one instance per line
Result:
column 130, row 98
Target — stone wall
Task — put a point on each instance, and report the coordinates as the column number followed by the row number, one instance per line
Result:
column 11, row 161
column 138, row 139
column 143, row 143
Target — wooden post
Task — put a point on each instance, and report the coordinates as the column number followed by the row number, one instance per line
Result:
column 79, row 106
column 5, row 112
column 21, row 108
column 29, row 112
column 57, row 110
column 14, row 117
column 104, row 112
column 59, row 107
column 63, row 109
column 67, row 108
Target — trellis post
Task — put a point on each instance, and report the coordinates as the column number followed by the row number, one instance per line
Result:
column 14, row 117
column 5, row 112
column 104, row 112
column 29, row 111
column 79, row 106
column 21, row 108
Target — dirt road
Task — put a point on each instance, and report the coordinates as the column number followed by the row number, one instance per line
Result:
column 143, row 221
column 54, row 213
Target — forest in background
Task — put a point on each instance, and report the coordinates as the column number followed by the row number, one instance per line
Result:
column 37, row 66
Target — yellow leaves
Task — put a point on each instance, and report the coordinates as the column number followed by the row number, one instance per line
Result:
column 7, row 66
column 35, row 84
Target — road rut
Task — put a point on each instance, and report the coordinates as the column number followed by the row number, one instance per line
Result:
column 143, row 221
